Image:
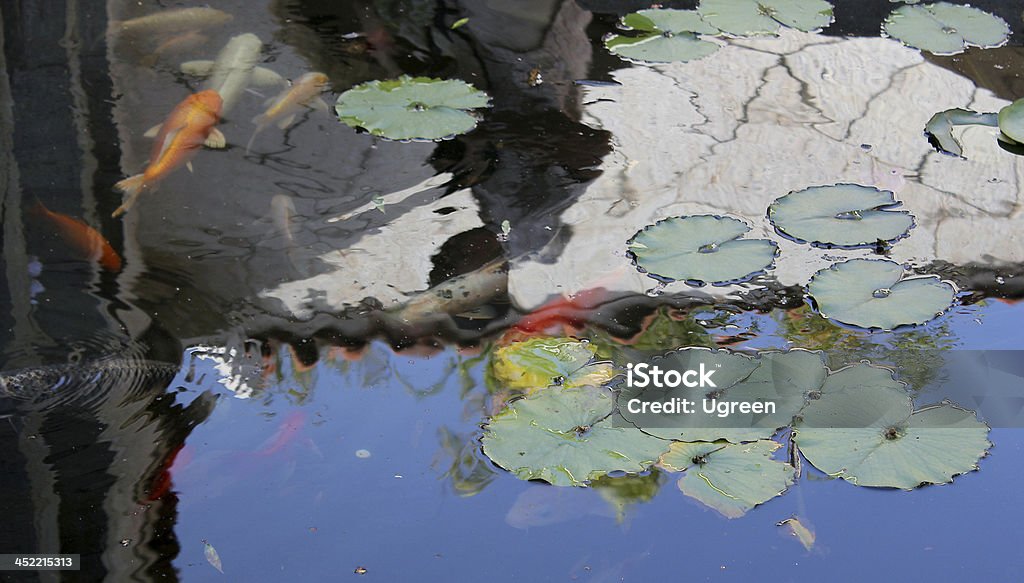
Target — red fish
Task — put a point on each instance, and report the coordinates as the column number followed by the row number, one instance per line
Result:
column 178, row 139
column 179, row 457
column 284, row 435
column 85, row 241
column 573, row 310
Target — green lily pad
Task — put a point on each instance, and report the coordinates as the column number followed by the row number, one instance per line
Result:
column 1011, row 121
column 752, row 17
column 701, row 248
column 539, row 362
column 864, row 429
column 939, row 128
column 945, row 29
column 411, row 108
column 871, row 293
column 782, row 379
column 567, row 437
column 666, row 36
column 732, row 479
column 840, row 215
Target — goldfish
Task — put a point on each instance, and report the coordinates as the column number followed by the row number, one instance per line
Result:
column 188, row 127
column 172, row 21
column 86, row 241
column 305, row 92
column 234, row 70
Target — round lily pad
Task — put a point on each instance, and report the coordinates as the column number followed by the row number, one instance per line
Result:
column 567, row 436
column 871, row 293
column 945, row 29
column 539, row 362
column 666, row 35
column 411, row 108
column 781, row 379
column 751, row 17
column 1011, row 121
column 701, row 248
column 840, row 215
column 939, row 128
column 864, row 429
column 732, row 479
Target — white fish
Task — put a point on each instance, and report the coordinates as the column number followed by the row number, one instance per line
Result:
column 172, row 21
column 234, row 70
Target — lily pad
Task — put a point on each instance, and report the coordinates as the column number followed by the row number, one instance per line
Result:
column 871, row 293
column 840, row 215
column 732, row 479
column 412, row 108
column 945, row 29
column 567, row 437
column 939, row 128
column 666, row 36
column 702, row 249
column 1011, row 121
column 539, row 362
column 781, row 379
column 864, row 429
column 751, row 17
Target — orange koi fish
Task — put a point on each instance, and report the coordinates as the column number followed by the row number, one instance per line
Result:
column 86, row 241
column 178, row 139
column 305, row 92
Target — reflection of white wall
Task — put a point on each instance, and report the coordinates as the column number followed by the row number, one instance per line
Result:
column 730, row 133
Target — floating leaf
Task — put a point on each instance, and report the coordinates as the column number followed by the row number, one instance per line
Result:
column 212, row 557
column 701, row 248
column 939, row 128
column 872, row 293
column 539, row 362
column 802, row 533
column 732, row 479
column 567, row 436
column 945, row 29
column 666, row 35
column 840, row 215
column 864, row 429
column 747, row 17
column 781, row 379
column 1011, row 121
column 411, row 108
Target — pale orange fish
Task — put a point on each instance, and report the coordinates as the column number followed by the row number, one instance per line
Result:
column 84, row 240
column 178, row 139
column 305, row 92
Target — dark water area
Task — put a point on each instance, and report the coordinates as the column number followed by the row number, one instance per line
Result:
column 280, row 364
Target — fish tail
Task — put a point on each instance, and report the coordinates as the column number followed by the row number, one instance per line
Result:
column 132, row 187
column 259, row 126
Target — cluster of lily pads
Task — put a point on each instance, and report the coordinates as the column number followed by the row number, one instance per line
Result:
column 1009, row 120
column 857, row 423
column 867, row 293
column 661, row 35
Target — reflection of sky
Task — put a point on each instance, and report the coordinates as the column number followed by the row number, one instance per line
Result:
column 310, row 508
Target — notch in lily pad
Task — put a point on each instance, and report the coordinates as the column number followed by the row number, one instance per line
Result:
column 731, row 478
column 871, row 293
column 412, row 108
column 840, row 215
column 758, row 17
column 700, row 249
column 865, row 430
column 946, row 29
column 664, row 36
column 567, row 437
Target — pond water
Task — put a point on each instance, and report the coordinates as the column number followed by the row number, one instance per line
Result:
column 286, row 372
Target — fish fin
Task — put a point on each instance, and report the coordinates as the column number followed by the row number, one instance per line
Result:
column 263, row 77
column 216, row 139
column 248, row 145
column 283, row 123
column 153, row 131
column 132, row 187
column 319, row 105
column 189, row 166
column 197, row 68
column 168, row 140
column 254, row 92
